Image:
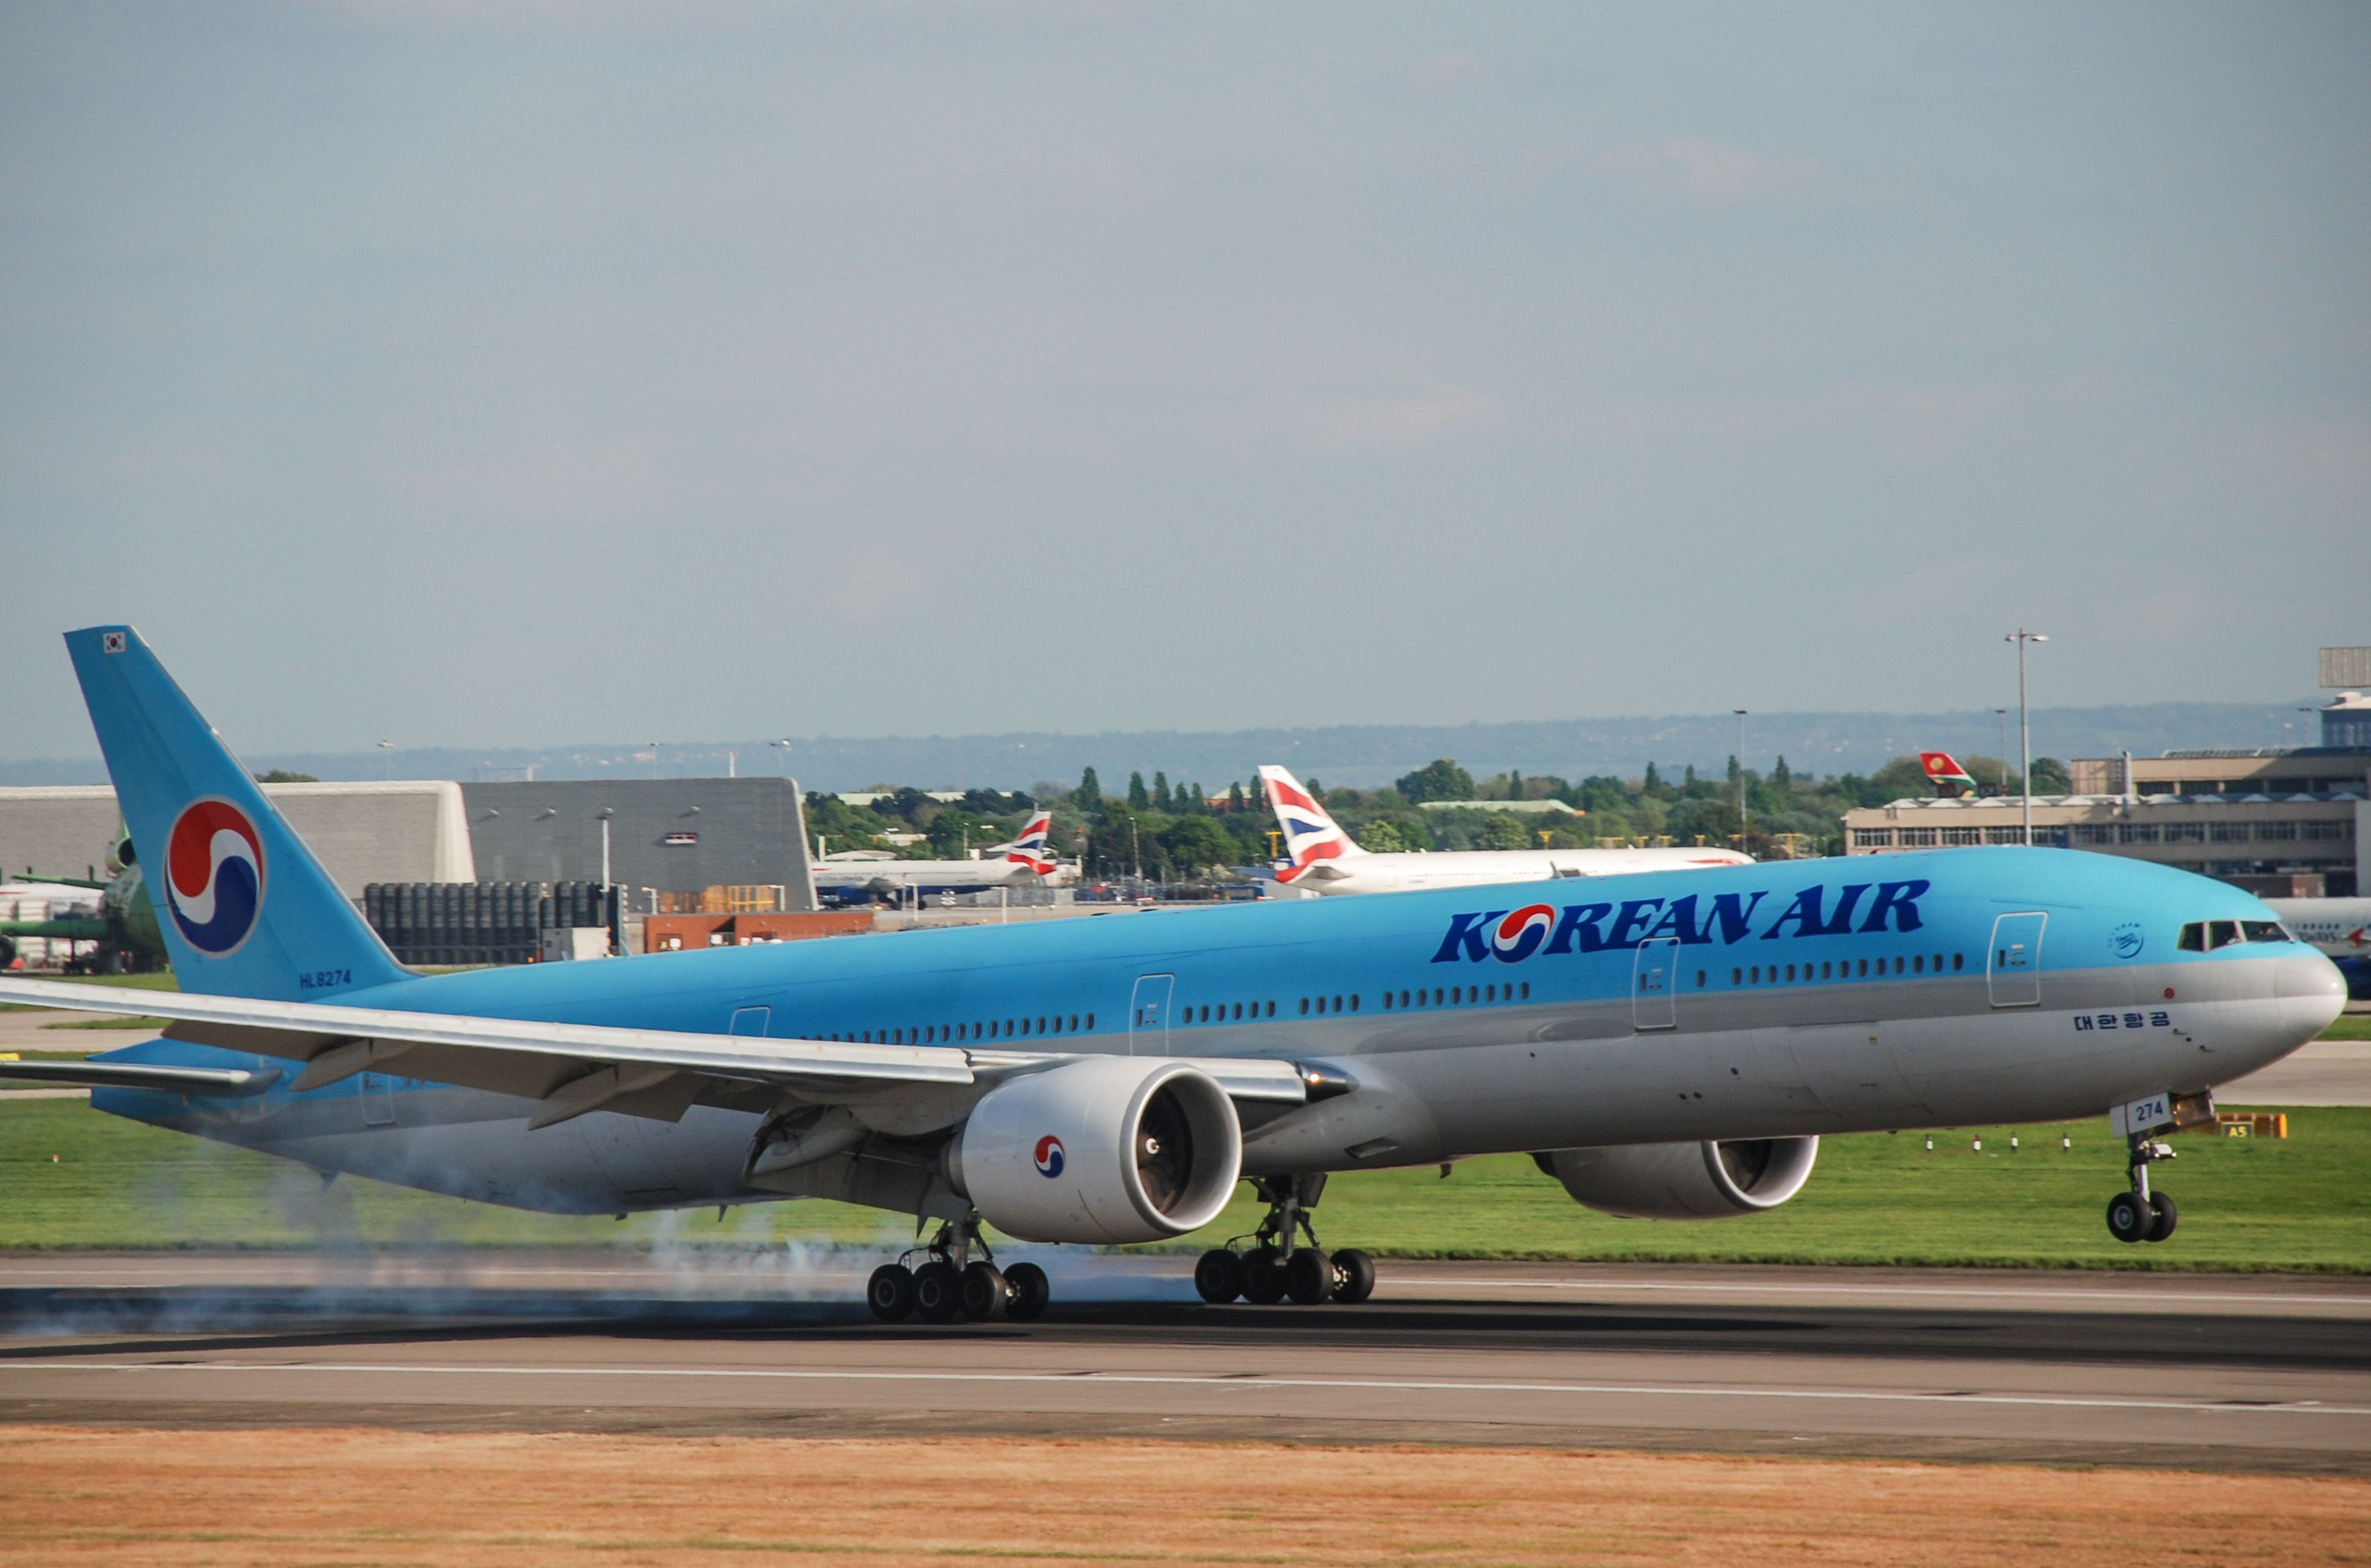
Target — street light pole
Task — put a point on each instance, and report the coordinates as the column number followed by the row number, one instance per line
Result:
column 2002, row 714
column 2024, row 726
column 1740, row 776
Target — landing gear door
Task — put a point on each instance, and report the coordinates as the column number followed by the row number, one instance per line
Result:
column 1148, row 1016
column 2013, row 967
column 1653, row 976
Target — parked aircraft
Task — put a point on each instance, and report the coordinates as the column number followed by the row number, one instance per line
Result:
column 1319, row 857
column 1028, row 861
column 2339, row 927
column 1667, row 1045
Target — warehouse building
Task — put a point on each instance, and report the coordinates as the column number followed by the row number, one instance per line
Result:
column 653, row 835
column 363, row 833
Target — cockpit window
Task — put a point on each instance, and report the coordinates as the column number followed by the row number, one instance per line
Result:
column 2206, row 936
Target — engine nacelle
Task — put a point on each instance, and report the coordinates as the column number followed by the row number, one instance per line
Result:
column 1685, row 1181
column 1109, row 1150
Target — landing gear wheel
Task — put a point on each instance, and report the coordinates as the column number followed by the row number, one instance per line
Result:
column 2130, row 1218
column 1354, row 1276
column 1309, row 1277
column 982, row 1292
column 2163, row 1216
column 1263, row 1276
column 890, row 1293
column 1218, row 1276
column 938, row 1292
column 1029, row 1291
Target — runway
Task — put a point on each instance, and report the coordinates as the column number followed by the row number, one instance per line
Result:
column 2206, row 1371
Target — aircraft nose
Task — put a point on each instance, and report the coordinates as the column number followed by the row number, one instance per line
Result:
column 2311, row 991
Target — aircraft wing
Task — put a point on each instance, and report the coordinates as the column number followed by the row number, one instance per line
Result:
column 136, row 1075
column 571, row 1068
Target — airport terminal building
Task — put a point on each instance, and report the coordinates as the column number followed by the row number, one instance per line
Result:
column 2292, row 824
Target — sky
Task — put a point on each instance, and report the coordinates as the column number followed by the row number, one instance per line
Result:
column 485, row 374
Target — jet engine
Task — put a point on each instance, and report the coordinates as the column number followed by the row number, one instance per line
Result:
column 1685, row 1181
column 1108, row 1149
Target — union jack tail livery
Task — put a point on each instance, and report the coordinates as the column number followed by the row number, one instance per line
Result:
column 1310, row 837
column 1944, row 772
column 1032, row 847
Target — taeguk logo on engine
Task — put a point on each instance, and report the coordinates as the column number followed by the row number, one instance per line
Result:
column 1049, row 1156
column 213, row 876
column 1518, row 936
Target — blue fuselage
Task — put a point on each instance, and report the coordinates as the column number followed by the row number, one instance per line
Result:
column 1776, row 999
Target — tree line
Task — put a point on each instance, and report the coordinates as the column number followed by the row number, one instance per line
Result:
column 1185, row 832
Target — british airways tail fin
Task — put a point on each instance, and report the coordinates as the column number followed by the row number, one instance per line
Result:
column 1310, row 835
column 1032, row 847
column 245, row 908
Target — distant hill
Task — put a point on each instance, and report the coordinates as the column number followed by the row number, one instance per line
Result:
column 1349, row 754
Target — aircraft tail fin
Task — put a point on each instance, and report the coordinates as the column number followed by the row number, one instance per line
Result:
column 1310, row 835
column 1033, row 845
column 245, row 908
column 1944, row 772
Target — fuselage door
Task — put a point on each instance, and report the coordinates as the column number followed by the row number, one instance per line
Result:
column 1148, row 1015
column 1653, row 974
column 2013, row 968
column 752, row 1021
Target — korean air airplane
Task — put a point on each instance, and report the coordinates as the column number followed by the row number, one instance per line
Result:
column 1028, row 861
column 1667, row 1045
column 1319, row 857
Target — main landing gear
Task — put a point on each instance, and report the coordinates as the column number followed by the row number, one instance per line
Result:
column 1276, row 1267
column 951, row 1283
column 2141, row 1215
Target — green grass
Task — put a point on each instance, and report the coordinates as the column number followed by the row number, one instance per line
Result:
column 2300, row 1204
column 2352, row 1026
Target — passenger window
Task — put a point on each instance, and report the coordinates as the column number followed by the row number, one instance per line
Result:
column 1527, row 984
column 1091, row 1020
column 1959, row 962
column 1337, row 1004
column 1700, row 983
column 1354, row 1001
column 1737, row 976
column 1918, row 964
column 1754, row 976
column 1304, row 1007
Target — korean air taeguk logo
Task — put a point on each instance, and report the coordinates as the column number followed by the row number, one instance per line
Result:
column 1518, row 936
column 1049, row 1156
column 213, row 876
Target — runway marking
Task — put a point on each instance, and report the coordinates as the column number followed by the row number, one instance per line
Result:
column 2140, row 1297
column 1222, row 1380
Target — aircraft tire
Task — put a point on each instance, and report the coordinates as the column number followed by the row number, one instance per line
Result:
column 1263, row 1276
column 1309, row 1277
column 1030, row 1292
column 1354, row 1276
column 982, row 1292
column 1218, row 1276
column 2129, row 1219
column 890, row 1293
column 2163, row 1216
column 938, row 1292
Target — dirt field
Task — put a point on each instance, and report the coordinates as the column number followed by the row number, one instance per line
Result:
column 72, row 1496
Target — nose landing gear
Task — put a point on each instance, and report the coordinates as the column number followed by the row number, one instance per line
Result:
column 951, row 1283
column 1276, row 1266
column 2141, row 1215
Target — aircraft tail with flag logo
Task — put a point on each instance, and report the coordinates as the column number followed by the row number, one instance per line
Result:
column 245, row 908
column 1311, row 838
column 1034, row 847
column 1944, row 772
